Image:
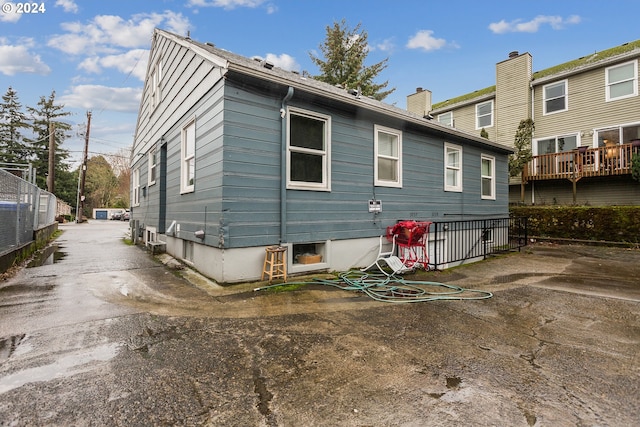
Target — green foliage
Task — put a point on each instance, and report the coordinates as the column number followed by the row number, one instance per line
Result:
column 522, row 144
column 12, row 122
column 635, row 166
column 484, row 134
column 606, row 223
column 45, row 113
column 344, row 53
column 101, row 185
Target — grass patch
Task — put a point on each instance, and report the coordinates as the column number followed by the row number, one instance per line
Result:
column 284, row 287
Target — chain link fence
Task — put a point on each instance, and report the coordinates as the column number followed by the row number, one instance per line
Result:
column 23, row 208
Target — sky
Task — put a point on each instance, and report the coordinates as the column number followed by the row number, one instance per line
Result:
column 94, row 54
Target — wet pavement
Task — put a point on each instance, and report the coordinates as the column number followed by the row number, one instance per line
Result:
column 105, row 334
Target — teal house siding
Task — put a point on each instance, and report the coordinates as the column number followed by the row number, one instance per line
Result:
column 240, row 109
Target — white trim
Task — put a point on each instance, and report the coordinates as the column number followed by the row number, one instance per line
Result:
column 398, row 159
column 185, row 187
column 325, row 185
column 565, row 96
column 450, row 113
column 152, row 166
column 457, row 169
column 492, row 114
column 492, row 177
column 634, row 80
column 135, row 187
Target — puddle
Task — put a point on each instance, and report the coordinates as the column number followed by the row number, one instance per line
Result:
column 47, row 256
column 65, row 366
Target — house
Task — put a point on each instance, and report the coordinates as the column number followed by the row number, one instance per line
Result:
column 233, row 155
column 587, row 124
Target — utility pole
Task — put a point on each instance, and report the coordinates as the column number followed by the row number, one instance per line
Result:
column 83, row 171
column 52, row 157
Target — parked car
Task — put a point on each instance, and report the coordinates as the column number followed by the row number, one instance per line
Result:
column 125, row 215
column 117, row 216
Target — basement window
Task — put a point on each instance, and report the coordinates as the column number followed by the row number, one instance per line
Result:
column 308, row 253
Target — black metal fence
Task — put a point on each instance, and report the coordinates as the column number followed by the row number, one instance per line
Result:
column 453, row 242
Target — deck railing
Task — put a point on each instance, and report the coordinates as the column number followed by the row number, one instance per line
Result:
column 582, row 162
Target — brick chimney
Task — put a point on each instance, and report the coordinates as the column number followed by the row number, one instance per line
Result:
column 419, row 102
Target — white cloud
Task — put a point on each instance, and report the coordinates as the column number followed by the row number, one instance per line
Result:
column 10, row 17
column 518, row 26
column 133, row 62
column 16, row 59
column 386, row 45
column 227, row 4
column 69, row 6
column 284, row 61
column 425, row 40
column 97, row 97
column 108, row 33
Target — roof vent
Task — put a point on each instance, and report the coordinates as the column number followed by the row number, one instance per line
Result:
column 268, row 65
column 513, row 54
column 419, row 89
column 210, row 44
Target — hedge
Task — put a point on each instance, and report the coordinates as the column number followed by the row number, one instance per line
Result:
column 605, row 223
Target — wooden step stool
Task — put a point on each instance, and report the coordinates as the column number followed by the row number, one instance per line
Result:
column 275, row 263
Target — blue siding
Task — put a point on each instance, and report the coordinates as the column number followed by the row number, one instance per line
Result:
column 251, row 195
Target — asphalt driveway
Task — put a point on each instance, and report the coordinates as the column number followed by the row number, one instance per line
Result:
column 107, row 335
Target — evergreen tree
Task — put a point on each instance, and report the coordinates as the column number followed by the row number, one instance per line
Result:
column 13, row 148
column 47, row 112
column 344, row 53
column 522, row 144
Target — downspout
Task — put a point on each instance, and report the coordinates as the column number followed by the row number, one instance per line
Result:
column 283, row 166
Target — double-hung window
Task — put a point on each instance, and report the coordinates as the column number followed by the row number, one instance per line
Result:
column 555, row 97
column 308, row 150
column 152, row 166
column 622, row 81
column 135, row 188
column 156, row 84
column 452, row 167
column 484, row 115
column 388, row 157
column 446, row 118
column 488, row 173
column 188, row 156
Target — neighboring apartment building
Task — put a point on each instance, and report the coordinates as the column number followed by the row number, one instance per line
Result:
column 587, row 124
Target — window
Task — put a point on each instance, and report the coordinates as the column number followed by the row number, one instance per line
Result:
column 622, row 81
column 152, row 166
column 488, row 177
column 155, row 79
column 452, row 167
column 555, row 97
column 618, row 135
column 446, row 118
column 135, row 187
column 484, row 115
column 556, row 144
column 308, row 153
column 188, row 156
column 388, row 155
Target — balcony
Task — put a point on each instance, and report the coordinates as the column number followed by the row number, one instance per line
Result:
column 582, row 162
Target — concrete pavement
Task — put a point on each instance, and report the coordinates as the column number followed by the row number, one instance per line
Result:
column 110, row 336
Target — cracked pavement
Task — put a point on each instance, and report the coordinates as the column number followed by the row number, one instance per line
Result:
column 109, row 336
